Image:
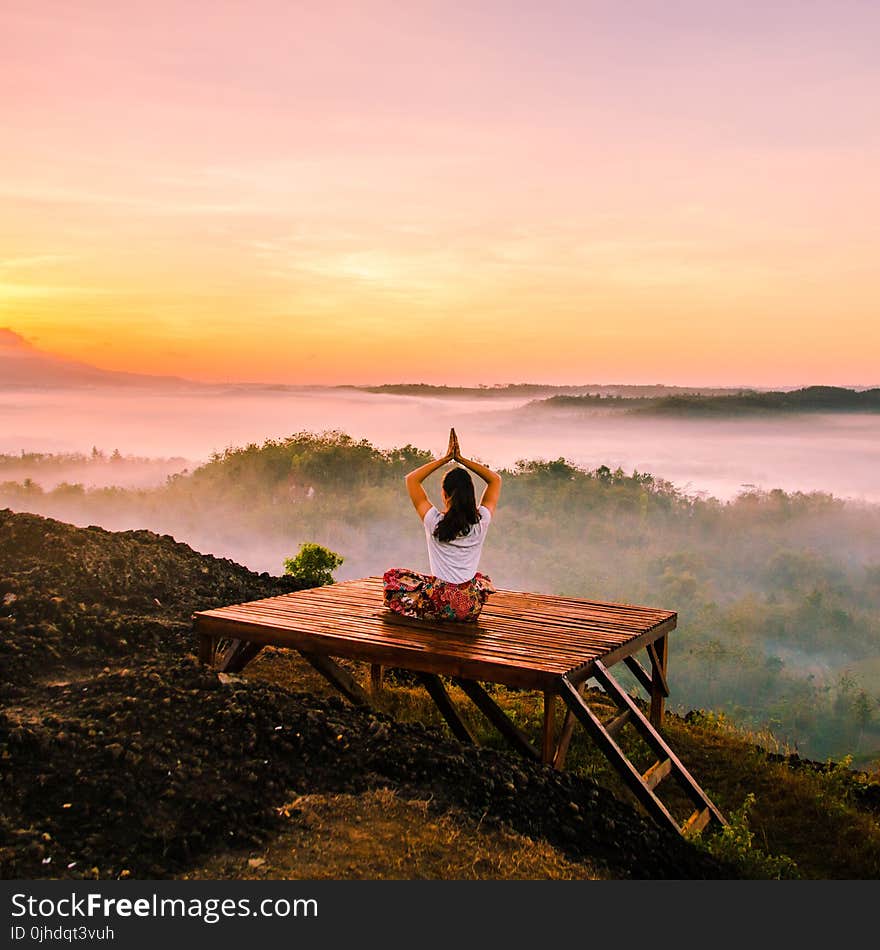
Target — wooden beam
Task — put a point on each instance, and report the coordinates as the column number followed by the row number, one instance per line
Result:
column 496, row 715
column 437, row 691
column 616, row 724
column 585, row 671
column 547, row 737
column 659, row 653
column 640, row 673
column 340, row 678
column 237, row 656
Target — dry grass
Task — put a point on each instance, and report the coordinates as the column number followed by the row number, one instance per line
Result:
column 380, row 836
column 808, row 817
column 811, row 817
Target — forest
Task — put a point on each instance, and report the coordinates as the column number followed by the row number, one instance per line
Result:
column 777, row 593
column 746, row 402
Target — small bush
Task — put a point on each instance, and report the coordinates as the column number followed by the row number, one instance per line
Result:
column 314, row 564
column 734, row 844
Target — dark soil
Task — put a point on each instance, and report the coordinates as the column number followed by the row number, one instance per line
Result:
column 125, row 757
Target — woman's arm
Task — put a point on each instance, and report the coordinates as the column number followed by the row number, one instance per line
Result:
column 414, row 480
column 492, row 479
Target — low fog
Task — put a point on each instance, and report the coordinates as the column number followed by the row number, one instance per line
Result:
column 764, row 535
column 837, row 453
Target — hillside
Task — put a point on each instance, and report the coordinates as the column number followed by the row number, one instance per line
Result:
column 25, row 366
column 520, row 390
column 107, row 714
column 743, row 403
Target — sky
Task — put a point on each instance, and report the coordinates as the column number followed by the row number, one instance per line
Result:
column 445, row 192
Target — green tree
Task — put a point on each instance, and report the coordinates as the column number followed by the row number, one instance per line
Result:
column 314, row 564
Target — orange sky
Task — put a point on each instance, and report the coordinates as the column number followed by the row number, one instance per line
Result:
column 377, row 192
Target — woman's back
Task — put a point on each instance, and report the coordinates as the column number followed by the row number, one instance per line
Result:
column 456, row 561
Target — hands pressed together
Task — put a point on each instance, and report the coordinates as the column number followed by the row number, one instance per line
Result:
column 453, row 450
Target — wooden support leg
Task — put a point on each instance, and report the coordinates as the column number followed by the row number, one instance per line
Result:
column 376, row 677
column 434, row 685
column 547, row 738
column 496, row 715
column 566, row 732
column 206, row 649
column 340, row 678
column 659, row 653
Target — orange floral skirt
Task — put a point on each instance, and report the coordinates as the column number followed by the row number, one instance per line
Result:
column 426, row 597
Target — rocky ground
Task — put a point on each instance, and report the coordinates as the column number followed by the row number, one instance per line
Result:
column 124, row 757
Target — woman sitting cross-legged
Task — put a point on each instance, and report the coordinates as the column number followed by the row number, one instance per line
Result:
column 454, row 590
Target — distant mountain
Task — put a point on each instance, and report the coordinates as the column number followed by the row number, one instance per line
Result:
column 24, row 366
column 586, row 391
column 807, row 399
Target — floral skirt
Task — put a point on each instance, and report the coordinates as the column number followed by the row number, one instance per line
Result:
column 412, row 594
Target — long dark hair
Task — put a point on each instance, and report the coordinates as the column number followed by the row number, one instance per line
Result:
column 462, row 513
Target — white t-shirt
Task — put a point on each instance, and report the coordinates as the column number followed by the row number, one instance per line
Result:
column 456, row 561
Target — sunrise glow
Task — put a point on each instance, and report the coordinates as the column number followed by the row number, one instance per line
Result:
column 452, row 193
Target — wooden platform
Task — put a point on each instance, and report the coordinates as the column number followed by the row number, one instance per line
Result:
column 534, row 641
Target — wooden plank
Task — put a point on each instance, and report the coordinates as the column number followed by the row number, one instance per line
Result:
column 461, row 628
column 340, row 678
column 547, row 736
column 541, row 610
column 633, row 780
column 496, row 715
column 437, row 692
column 658, row 771
column 519, row 603
column 323, row 623
column 521, row 629
column 610, row 623
column 697, row 822
column 376, row 677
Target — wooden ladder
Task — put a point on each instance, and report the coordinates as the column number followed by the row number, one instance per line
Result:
column 642, row 785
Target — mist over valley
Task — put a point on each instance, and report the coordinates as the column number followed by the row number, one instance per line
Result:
column 834, row 452
column 777, row 584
